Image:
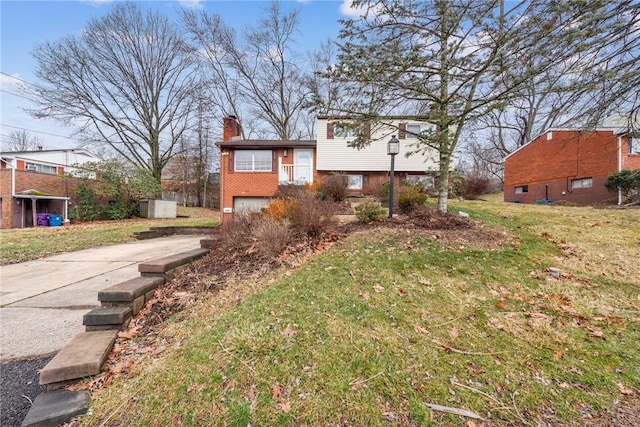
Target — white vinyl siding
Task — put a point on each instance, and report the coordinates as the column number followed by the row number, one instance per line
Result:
column 335, row 155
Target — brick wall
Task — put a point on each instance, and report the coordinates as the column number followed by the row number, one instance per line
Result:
column 49, row 184
column 547, row 166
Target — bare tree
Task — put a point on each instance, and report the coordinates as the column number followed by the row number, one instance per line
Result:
column 256, row 73
column 460, row 61
column 22, row 140
column 598, row 76
column 129, row 78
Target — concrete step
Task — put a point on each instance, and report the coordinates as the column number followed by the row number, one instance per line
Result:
column 83, row 356
column 129, row 290
column 165, row 264
column 104, row 318
column 56, row 408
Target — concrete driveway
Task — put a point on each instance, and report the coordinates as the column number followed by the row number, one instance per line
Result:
column 42, row 302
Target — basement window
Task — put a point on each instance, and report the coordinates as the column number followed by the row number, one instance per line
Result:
column 522, row 189
column 354, row 182
column 582, row 183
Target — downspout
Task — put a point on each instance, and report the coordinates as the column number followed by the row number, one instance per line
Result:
column 619, row 167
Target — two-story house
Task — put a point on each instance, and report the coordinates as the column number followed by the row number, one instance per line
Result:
column 251, row 170
column 569, row 165
column 33, row 182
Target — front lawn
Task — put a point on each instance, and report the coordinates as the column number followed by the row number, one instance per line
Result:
column 531, row 317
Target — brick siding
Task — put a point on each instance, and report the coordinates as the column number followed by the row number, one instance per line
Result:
column 548, row 166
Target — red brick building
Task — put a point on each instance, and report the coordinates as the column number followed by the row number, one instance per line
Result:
column 251, row 170
column 569, row 165
column 34, row 182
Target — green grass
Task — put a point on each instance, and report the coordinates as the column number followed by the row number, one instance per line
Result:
column 371, row 331
column 19, row 245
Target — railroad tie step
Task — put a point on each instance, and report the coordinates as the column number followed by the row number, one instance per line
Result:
column 56, row 408
column 83, row 356
column 171, row 262
column 103, row 318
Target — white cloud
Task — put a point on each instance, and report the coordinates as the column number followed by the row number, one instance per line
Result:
column 350, row 11
column 192, row 4
column 96, row 2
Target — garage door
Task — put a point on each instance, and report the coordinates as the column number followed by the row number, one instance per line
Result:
column 249, row 204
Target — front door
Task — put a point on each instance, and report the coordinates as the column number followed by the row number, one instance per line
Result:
column 303, row 165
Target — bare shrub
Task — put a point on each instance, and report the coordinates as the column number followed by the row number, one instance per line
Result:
column 410, row 197
column 236, row 235
column 271, row 236
column 334, row 187
column 475, row 187
column 313, row 216
column 289, row 191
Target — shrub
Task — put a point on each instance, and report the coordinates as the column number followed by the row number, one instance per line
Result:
column 289, row 191
column 334, row 187
column 236, row 235
column 410, row 197
column 369, row 212
column 271, row 236
column 475, row 187
column 311, row 215
column 281, row 208
column 626, row 180
column 87, row 207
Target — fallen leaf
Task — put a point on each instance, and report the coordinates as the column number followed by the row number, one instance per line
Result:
column 276, row 391
column 419, row 329
column 454, row 333
column 558, row 355
column 378, row 288
column 290, row 331
column 625, row 390
column 597, row 333
column 500, row 303
column 495, row 323
column 285, row 406
column 537, row 320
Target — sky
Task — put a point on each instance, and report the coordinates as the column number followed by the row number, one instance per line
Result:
column 25, row 24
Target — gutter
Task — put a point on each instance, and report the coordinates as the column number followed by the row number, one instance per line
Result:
column 619, row 167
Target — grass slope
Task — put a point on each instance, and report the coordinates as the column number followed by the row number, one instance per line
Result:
column 374, row 330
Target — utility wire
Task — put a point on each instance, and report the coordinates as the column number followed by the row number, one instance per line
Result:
column 18, row 95
column 17, row 78
column 44, row 133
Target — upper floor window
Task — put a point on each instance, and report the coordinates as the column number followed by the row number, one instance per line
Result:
column 343, row 131
column 39, row 167
column 253, row 160
column 413, row 130
column 581, row 183
column 634, row 145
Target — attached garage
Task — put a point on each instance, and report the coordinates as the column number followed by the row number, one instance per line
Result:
column 250, row 204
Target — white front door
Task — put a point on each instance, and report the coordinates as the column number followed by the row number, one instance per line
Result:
column 303, row 165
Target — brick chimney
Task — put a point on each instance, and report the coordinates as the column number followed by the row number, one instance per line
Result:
column 230, row 128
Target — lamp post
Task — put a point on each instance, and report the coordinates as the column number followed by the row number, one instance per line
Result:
column 393, row 148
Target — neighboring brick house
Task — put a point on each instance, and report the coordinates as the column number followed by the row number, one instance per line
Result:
column 569, row 165
column 251, row 170
column 33, row 182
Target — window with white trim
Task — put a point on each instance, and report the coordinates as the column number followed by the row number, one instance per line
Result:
column 522, row 189
column 354, row 182
column 253, row 160
column 582, row 183
column 39, row 167
column 344, row 131
column 415, row 129
column 634, row 145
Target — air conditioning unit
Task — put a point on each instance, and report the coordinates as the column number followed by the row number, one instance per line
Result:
column 32, row 167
